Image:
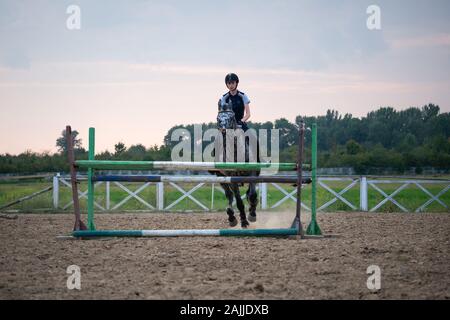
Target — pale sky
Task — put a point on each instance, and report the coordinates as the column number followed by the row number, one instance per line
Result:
column 137, row 68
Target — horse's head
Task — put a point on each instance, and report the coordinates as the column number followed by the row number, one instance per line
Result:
column 239, row 145
column 225, row 117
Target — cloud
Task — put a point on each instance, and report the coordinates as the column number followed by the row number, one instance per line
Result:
column 288, row 34
column 138, row 103
column 427, row 41
column 136, row 61
column 124, row 73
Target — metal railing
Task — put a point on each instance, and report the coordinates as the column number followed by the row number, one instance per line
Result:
column 368, row 186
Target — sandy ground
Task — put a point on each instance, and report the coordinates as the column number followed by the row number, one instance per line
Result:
column 412, row 251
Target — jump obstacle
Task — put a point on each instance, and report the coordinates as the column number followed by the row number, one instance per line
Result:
column 199, row 179
column 178, row 165
column 89, row 231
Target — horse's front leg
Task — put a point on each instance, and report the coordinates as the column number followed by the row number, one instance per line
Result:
column 252, row 198
column 229, row 194
column 240, row 205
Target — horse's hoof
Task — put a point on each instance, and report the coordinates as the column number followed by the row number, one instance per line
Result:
column 244, row 224
column 252, row 217
column 232, row 221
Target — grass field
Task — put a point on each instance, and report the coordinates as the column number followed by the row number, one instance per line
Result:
column 411, row 197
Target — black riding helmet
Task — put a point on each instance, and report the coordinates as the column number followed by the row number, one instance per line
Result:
column 231, row 77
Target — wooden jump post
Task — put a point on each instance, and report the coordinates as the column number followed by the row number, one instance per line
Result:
column 79, row 225
column 81, row 231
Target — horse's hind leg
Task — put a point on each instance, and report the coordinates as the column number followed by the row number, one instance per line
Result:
column 229, row 194
column 252, row 198
column 240, row 205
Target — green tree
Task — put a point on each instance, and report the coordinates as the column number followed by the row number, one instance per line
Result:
column 119, row 148
column 288, row 133
column 353, row 147
column 61, row 142
column 136, row 152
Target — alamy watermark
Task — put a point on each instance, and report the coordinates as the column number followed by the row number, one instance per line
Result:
column 374, row 280
column 73, row 21
column 374, row 19
column 230, row 145
column 74, row 278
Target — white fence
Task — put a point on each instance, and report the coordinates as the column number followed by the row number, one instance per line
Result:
column 366, row 185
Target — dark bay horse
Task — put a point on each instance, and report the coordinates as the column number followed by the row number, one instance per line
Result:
column 233, row 146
